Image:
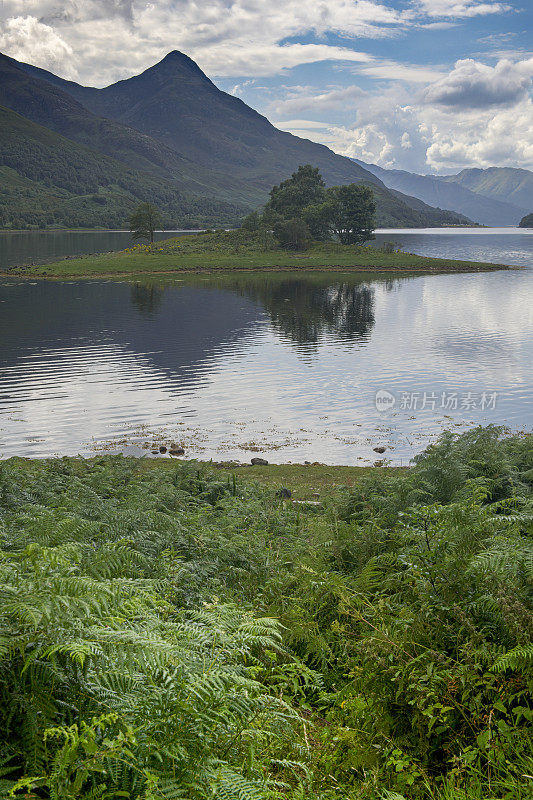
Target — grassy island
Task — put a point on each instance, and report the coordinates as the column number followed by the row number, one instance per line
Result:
column 173, row 630
column 243, row 250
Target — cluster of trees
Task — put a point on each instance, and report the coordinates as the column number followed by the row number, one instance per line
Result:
column 301, row 210
column 175, row 633
column 109, row 209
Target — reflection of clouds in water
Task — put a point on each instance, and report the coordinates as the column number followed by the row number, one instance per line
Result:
column 480, row 302
column 483, row 325
column 468, row 324
column 470, row 349
column 218, row 356
column 75, row 395
column 496, row 301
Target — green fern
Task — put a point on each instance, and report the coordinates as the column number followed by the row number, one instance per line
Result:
column 165, row 633
column 519, row 658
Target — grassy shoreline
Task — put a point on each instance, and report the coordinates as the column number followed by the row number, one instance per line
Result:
column 241, row 251
column 304, row 481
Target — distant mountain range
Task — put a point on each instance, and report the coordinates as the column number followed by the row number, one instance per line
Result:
column 493, row 196
column 83, row 157
column 505, row 184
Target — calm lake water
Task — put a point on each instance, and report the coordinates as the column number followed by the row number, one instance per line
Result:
column 282, row 364
column 37, row 247
column 495, row 245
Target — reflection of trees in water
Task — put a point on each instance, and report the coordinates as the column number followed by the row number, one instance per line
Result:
column 302, row 309
column 305, row 311
column 392, row 283
column 147, row 298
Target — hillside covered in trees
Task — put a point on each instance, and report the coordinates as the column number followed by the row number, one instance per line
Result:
column 48, row 180
column 168, row 136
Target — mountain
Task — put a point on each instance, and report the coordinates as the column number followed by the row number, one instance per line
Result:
column 447, row 193
column 172, row 123
column 175, row 103
column 47, row 179
column 506, row 184
column 45, row 103
column 398, row 210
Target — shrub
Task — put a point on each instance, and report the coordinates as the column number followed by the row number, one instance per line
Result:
column 293, row 234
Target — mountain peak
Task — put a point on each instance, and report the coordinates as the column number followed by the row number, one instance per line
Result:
column 176, row 55
column 177, row 62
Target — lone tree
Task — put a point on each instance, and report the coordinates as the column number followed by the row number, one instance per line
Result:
column 144, row 221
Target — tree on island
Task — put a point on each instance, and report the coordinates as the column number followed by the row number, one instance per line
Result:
column 350, row 210
column 293, row 234
column 304, row 188
column 144, row 221
column 527, row 221
column 301, row 209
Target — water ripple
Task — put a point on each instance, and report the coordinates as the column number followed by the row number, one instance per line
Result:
column 227, row 366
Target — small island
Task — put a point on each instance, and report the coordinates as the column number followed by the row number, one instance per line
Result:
column 304, row 226
column 527, row 221
column 240, row 250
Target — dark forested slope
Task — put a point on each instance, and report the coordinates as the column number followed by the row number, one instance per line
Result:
column 174, row 123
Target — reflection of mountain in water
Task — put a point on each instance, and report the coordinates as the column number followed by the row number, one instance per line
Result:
column 176, row 328
column 304, row 311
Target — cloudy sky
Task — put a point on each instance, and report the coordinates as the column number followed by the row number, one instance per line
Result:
column 423, row 85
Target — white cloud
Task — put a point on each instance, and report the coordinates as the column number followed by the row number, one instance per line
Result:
column 21, row 35
column 474, row 85
column 438, row 26
column 239, row 88
column 315, row 101
column 267, row 59
column 319, row 132
column 460, row 9
column 309, row 99
column 69, row 12
column 301, row 124
column 497, row 39
column 504, row 138
column 393, row 71
column 395, row 129
column 387, row 131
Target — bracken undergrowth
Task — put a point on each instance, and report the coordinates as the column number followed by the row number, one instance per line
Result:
column 168, row 633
